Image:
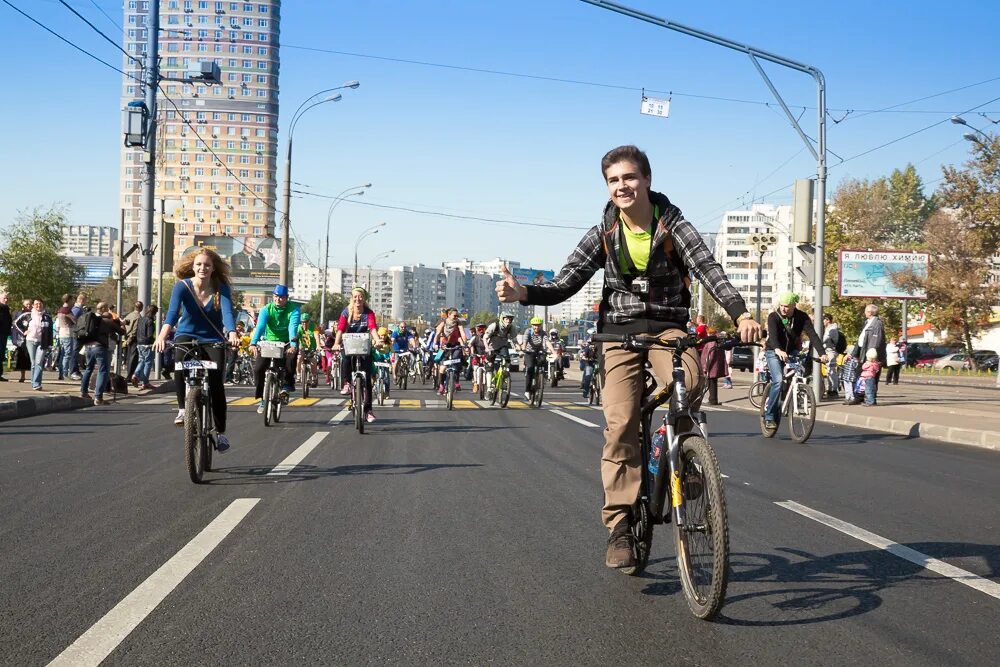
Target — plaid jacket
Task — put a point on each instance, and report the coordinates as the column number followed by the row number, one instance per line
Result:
column 678, row 252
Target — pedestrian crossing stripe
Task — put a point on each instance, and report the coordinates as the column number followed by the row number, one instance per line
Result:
column 303, row 402
column 249, row 400
column 463, row 404
column 408, row 403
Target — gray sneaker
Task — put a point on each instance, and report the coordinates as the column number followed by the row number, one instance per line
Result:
column 260, row 407
column 620, row 553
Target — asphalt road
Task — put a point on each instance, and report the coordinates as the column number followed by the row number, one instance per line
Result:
column 473, row 536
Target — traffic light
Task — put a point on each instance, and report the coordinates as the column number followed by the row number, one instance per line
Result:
column 763, row 242
column 807, row 270
column 119, row 270
column 802, row 210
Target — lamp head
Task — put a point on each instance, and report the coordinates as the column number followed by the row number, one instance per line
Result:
column 334, row 98
column 958, row 120
column 352, row 85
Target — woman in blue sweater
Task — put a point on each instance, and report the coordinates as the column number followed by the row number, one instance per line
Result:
column 201, row 310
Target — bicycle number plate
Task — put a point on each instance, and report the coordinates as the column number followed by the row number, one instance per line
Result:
column 381, row 364
column 451, row 362
column 195, row 363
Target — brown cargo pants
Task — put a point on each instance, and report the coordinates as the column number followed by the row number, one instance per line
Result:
column 623, row 385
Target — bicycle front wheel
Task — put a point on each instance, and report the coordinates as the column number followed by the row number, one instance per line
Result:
column 703, row 541
column 268, row 403
column 801, row 413
column 194, row 439
column 451, row 389
column 505, row 390
column 306, row 379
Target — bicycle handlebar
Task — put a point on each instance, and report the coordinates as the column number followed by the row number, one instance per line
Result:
column 648, row 341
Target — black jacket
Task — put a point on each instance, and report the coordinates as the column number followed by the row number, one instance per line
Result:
column 678, row 251
column 24, row 319
column 873, row 338
column 6, row 321
column 779, row 338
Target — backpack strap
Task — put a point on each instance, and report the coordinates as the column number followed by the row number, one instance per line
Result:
column 202, row 310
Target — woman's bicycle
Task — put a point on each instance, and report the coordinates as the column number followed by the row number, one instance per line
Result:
column 274, row 379
column 357, row 349
column 798, row 403
column 380, row 387
column 681, row 481
column 307, row 371
column 479, row 380
column 451, row 365
column 199, row 429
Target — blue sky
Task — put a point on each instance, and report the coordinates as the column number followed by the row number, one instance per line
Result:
column 518, row 148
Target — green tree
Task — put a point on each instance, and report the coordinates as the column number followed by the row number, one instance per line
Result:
column 30, row 263
column 482, row 317
column 974, row 192
column 960, row 298
column 909, row 209
column 335, row 303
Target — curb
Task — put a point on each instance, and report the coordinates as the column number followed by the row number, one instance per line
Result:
column 32, row 407
column 911, row 429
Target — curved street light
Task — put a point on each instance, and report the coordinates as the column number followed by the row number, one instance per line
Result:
column 326, row 262
column 306, row 105
column 376, row 258
column 368, row 232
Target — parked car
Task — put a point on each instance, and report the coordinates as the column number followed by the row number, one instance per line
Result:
column 985, row 359
column 515, row 359
column 955, row 362
column 923, row 355
column 743, row 358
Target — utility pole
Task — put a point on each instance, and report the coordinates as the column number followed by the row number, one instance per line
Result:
column 148, row 194
column 286, row 207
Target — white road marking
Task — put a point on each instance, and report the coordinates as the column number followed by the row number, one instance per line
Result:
column 712, row 408
column 327, row 402
column 484, row 404
column 434, row 403
column 574, row 418
column 339, row 417
column 724, row 476
column 159, row 400
column 94, row 645
column 906, row 553
column 296, row 457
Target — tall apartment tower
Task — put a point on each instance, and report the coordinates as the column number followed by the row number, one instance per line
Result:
column 237, row 122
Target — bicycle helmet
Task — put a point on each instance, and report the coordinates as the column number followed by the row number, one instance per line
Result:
column 536, row 321
column 553, row 332
column 507, row 316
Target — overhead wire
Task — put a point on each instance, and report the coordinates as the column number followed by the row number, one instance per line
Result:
column 99, row 32
column 106, row 15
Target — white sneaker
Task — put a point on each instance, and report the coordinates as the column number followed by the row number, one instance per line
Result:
column 179, row 419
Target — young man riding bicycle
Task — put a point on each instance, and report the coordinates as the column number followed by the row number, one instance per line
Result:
column 648, row 252
column 278, row 322
column 535, row 347
column 785, row 327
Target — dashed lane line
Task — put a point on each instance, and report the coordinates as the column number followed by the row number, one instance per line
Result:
column 971, row 580
column 339, row 417
column 94, row 645
column 574, row 418
column 299, row 454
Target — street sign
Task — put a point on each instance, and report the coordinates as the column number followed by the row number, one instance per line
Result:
column 869, row 273
column 652, row 106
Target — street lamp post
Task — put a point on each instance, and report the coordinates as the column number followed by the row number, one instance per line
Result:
column 326, row 261
column 285, row 222
column 368, row 232
column 375, row 259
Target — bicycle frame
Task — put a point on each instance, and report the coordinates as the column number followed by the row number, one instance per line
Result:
column 358, row 374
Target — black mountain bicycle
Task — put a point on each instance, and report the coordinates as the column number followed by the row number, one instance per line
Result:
column 686, row 487
column 199, row 431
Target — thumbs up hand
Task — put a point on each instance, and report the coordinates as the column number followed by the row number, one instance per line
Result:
column 508, row 289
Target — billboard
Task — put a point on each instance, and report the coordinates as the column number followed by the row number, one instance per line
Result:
column 868, row 273
column 252, row 260
column 532, row 276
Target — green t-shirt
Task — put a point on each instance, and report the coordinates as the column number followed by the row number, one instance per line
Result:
column 638, row 245
column 307, row 338
column 276, row 327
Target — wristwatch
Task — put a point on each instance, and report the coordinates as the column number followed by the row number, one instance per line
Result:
column 745, row 316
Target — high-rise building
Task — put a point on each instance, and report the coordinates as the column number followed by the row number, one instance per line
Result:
column 216, row 145
column 88, row 241
column 739, row 259
column 580, row 306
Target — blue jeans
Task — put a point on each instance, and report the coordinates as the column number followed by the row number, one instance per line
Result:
column 95, row 355
column 37, row 355
column 870, row 391
column 588, row 376
column 776, row 368
column 68, row 347
column 145, row 364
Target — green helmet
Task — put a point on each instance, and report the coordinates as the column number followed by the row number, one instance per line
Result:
column 536, row 320
column 788, row 299
column 305, row 317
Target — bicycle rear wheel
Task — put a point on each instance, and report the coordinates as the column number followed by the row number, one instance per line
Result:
column 193, row 436
column 703, row 542
column 757, row 393
column 764, row 430
column 801, row 413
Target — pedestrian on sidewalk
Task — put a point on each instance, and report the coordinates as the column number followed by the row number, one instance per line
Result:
column 835, row 343
column 96, row 352
column 727, row 382
column 849, row 372
column 713, row 364
column 6, row 324
column 64, row 334
column 892, row 362
column 144, row 336
column 76, row 311
column 869, row 373
column 872, row 337
column 22, row 362
column 35, row 329
column 128, row 340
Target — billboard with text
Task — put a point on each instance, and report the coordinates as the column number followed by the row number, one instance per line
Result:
column 527, row 276
column 252, row 260
column 869, row 273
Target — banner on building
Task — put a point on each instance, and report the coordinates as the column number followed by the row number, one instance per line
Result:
column 252, row 260
column 532, row 276
column 869, row 273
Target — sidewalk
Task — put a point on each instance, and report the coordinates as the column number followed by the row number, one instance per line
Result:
column 19, row 400
column 947, row 411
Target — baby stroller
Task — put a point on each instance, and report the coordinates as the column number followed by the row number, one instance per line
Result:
column 850, row 377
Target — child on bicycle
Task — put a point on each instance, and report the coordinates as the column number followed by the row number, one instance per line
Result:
column 648, row 252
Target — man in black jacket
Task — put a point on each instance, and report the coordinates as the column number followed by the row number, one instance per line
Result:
column 785, row 327
column 648, row 252
column 6, row 322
